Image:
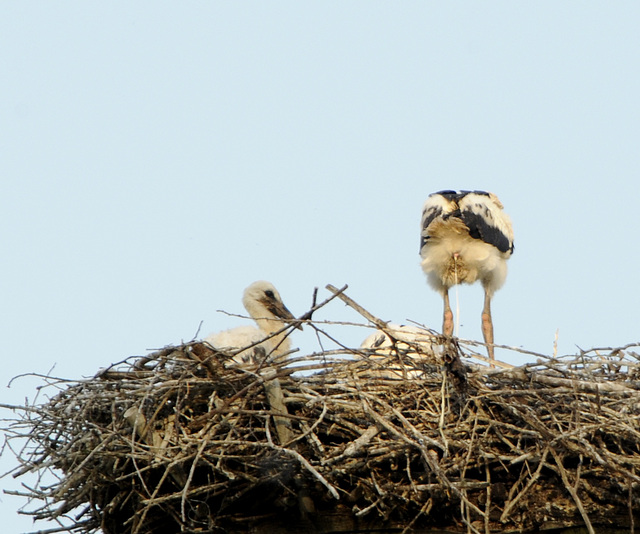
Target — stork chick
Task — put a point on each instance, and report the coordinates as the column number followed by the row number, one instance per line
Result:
column 403, row 354
column 466, row 236
column 264, row 304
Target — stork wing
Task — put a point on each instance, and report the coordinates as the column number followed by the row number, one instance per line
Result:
column 482, row 214
column 436, row 206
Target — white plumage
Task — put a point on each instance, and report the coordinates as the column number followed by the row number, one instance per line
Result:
column 465, row 237
column 264, row 304
column 405, row 335
column 404, row 355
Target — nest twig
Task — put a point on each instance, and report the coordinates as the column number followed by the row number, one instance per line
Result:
column 407, row 437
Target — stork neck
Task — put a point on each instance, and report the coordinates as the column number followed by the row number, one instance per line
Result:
column 280, row 343
column 269, row 326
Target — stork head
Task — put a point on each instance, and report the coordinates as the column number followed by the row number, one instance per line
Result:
column 263, row 302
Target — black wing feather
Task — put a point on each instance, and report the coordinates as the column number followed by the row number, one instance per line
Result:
column 428, row 217
column 481, row 228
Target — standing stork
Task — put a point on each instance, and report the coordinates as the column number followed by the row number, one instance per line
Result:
column 264, row 304
column 466, row 236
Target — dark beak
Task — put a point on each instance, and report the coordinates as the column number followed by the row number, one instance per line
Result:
column 282, row 312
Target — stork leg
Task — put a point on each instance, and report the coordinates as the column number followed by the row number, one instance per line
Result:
column 447, row 316
column 487, row 326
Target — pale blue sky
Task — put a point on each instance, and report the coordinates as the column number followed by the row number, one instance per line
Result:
column 158, row 157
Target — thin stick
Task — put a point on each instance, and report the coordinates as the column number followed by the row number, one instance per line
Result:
column 572, row 491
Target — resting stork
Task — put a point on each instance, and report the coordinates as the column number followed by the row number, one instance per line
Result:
column 264, row 304
column 466, row 236
column 401, row 355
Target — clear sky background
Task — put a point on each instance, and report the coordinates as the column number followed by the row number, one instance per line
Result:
column 156, row 158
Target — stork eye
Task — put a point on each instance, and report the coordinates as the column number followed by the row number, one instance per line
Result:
column 269, row 294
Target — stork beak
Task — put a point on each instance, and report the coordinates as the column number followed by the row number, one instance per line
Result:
column 282, row 312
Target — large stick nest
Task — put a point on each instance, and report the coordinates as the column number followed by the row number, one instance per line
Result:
column 409, row 437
